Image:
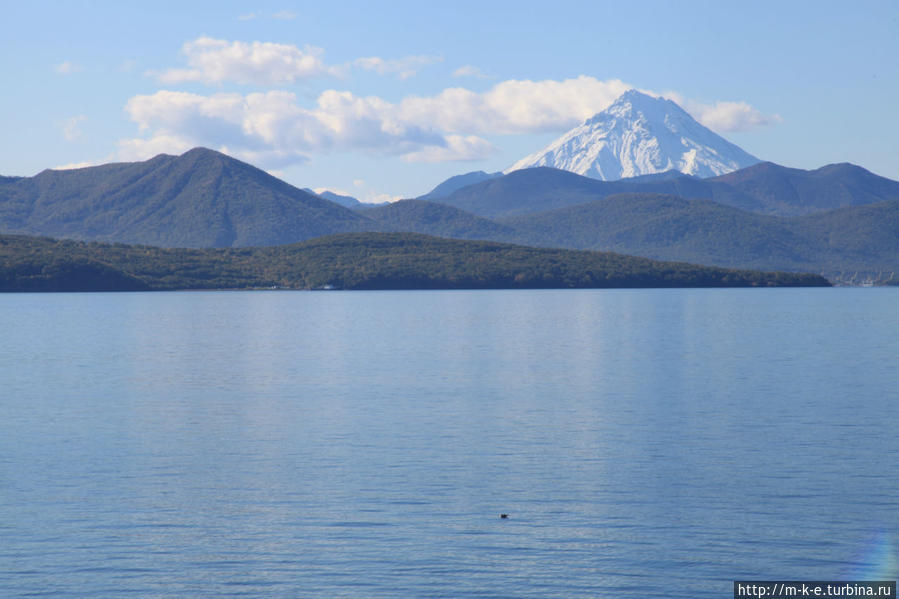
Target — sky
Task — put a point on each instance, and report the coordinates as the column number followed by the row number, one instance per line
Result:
column 384, row 100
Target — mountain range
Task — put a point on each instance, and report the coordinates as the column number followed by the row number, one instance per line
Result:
column 693, row 197
column 747, row 219
column 766, row 188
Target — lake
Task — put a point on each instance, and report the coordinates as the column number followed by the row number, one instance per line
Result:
column 644, row 443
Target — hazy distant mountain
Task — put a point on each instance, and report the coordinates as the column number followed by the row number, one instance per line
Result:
column 793, row 191
column 421, row 216
column 458, row 182
column 524, row 191
column 206, row 199
column 639, row 135
column 538, row 189
column 837, row 243
column 200, row 199
column 765, row 188
column 661, row 225
column 346, row 201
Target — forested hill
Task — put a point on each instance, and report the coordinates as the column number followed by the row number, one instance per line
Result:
column 201, row 198
column 837, row 243
column 764, row 188
column 350, row 261
column 205, row 199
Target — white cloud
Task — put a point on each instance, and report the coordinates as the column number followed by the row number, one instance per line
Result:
column 216, row 61
column 724, row 116
column 458, row 147
column 401, row 67
column 733, row 116
column 524, row 106
column 285, row 15
column 273, row 129
column 74, row 165
column 272, row 159
column 66, row 68
column 141, row 149
column 336, row 190
column 469, row 71
column 260, row 63
column 374, row 197
column 71, row 129
column 359, row 182
column 515, row 106
column 369, row 197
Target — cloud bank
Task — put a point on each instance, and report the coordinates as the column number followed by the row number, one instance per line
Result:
column 724, row 117
column 401, row 67
column 71, row 128
column 731, row 116
column 273, row 129
column 215, row 61
column 66, row 68
column 469, row 71
column 258, row 63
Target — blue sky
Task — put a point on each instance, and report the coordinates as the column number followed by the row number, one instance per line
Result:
column 385, row 100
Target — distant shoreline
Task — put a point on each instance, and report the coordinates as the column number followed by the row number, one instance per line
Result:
column 353, row 261
column 255, row 290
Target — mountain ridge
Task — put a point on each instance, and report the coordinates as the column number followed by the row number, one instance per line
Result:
column 343, row 200
column 766, row 188
column 206, row 199
column 432, row 218
column 201, row 198
column 839, row 244
column 457, row 182
column 351, row 261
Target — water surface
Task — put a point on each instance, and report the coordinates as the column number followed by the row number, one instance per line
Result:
column 645, row 443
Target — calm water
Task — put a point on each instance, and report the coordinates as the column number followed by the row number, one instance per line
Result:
column 652, row 443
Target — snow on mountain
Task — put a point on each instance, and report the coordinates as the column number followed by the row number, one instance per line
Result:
column 640, row 135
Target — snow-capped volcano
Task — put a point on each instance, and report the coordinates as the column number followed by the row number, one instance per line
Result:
column 640, row 135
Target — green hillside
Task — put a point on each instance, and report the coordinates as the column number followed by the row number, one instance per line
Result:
column 350, row 261
column 659, row 225
column 207, row 199
column 199, row 199
column 860, row 242
column 765, row 188
column 794, row 192
column 430, row 218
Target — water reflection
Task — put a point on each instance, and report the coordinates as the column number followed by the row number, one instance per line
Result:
column 364, row 444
